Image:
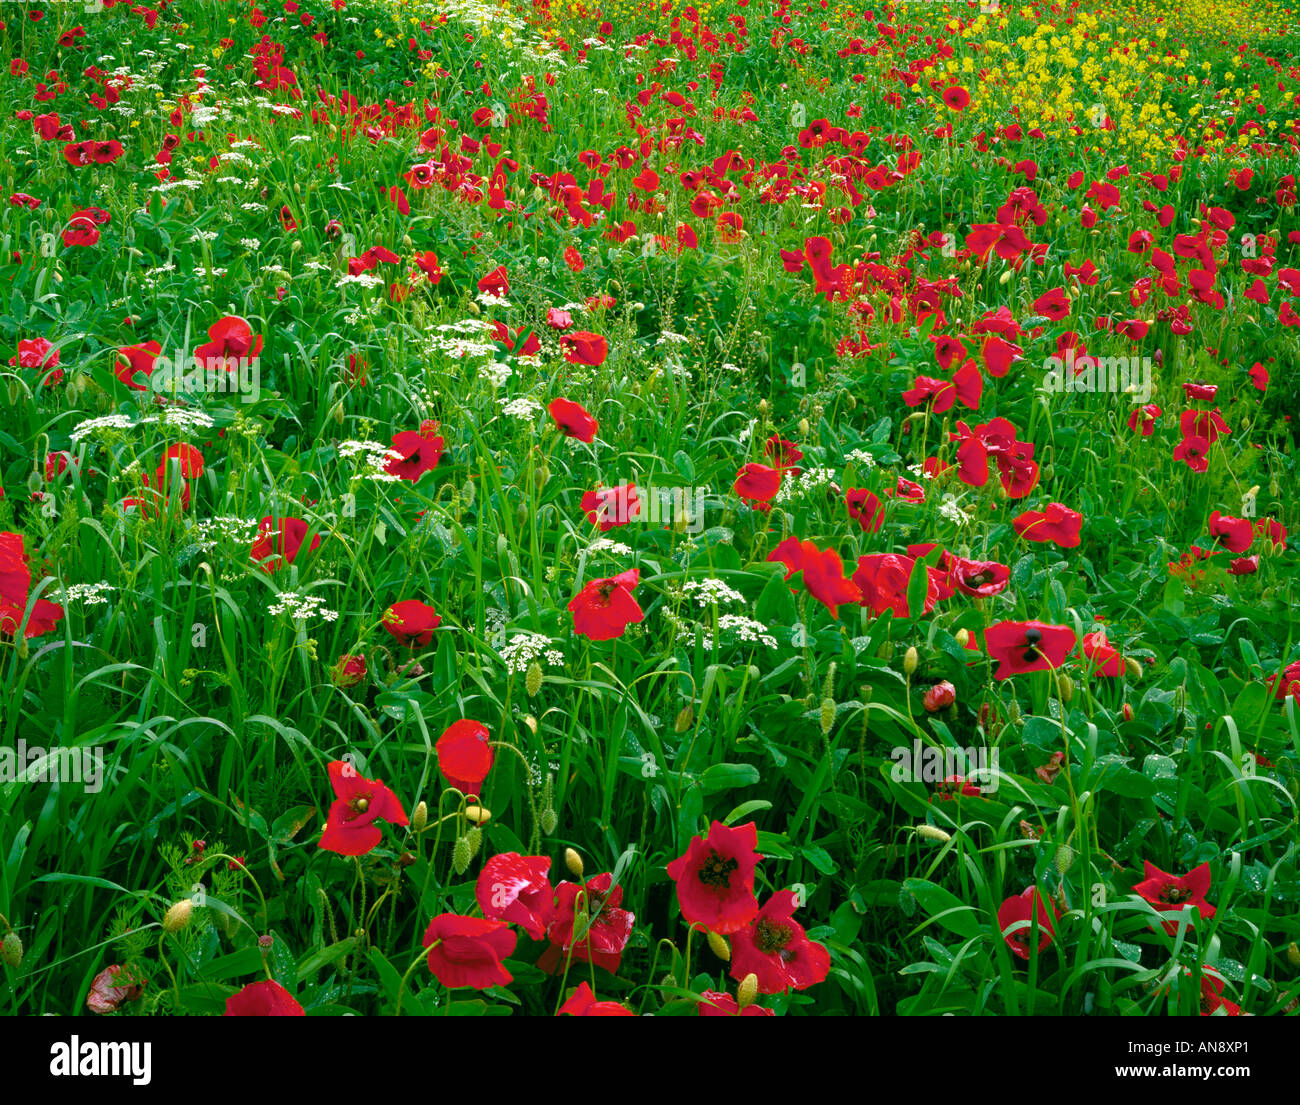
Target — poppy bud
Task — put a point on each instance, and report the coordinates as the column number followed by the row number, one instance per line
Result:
column 1005, row 278
column 685, row 719
column 762, row 407
column 1133, row 668
column 962, row 637
column 461, row 855
column 803, row 427
column 573, row 862
column 747, row 991
column 420, row 817
column 1292, row 952
column 533, row 680
column 1128, row 712
column 933, row 832
column 885, row 651
column 1064, row 858
column 474, row 838
column 1013, row 712
column 1064, row 687
column 178, row 916
column 827, row 715
column 718, row 945
column 480, row 815
column 11, row 950
column 910, row 660
column 531, row 722
column 550, row 820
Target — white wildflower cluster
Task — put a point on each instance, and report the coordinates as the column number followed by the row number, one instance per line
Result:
column 374, row 459
column 861, row 458
column 495, row 373
column 524, row 648
column 606, row 545
column 950, row 510
column 461, row 348
column 96, row 425
column 490, row 300
column 301, row 607
column 808, row 481
column 363, row 279
column 88, row 594
column 524, row 408
column 204, row 236
column 747, row 630
column 711, row 592
column 224, row 529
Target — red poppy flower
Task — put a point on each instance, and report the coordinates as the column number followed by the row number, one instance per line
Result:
column 1057, row 524
column 608, row 507
column 284, row 539
column 231, row 342
column 573, row 420
column 956, row 98
column 465, row 755
column 786, row 454
column 263, row 999
column 1106, row 658
column 1193, row 451
column 113, row 986
column 1286, row 682
column 515, row 889
column 1212, row 999
column 189, row 461
column 757, row 483
column 1234, row 534
column 420, row 452
column 717, row 1003
column 1169, row 893
column 715, row 878
column 608, row 931
column 865, row 509
column 1021, row 647
column 140, row 360
column 350, row 829
column 411, row 621
column 939, row 697
column 585, row 348
column 604, row 608
column 1021, row 908
column 583, row 1003
column 1143, row 420
column 776, row 948
column 467, row 951
column 496, row 283
column 883, row 580
column 980, row 578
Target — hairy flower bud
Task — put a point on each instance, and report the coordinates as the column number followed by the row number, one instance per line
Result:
column 461, row 855
column 910, row 660
column 178, row 916
column 533, row 680
column 11, row 950
column 933, row 832
column 747, row 991
column 420, row 817
column 573, row 862
column 718, row 945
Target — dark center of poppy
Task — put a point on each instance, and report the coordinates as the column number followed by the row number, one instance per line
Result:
column 1174, row 895
column 359, row 804
column 770, row 937
column 716, row 871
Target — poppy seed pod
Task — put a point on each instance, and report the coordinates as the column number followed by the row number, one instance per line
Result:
column 178, row 916
column 11, row 950
column 461, row 855
column 747, row 991
column 910, row 660
column 573, row 862
column 1065, row 687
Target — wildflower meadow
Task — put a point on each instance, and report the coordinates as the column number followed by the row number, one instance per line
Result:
column 520, row 508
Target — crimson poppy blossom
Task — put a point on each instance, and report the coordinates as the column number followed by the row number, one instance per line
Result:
column 1286, row 682
column 604, row 608
column 515, row 889
column 883, row 580
column 495, row 283
column 1193, row 451
column 757, row 483
column 467, row 951
column 349, row 827
column 140, row 360
column 419, row 452
column 1057, row 524
column 718, row 1003
column 584, row 348
column 776, row 949
column 609, row 927
column 573, row 420
column 411, row 621
column 978, row 578
column 1170, row 893
column 231, row 342
column 465, row 755
column 1021, row 908
column 263, row 999
column 865, row 509
column 583, row 1003
column 715, row 878
column 284, row 538
column 1022, row 647
column 1234, row 534
column 608, row 507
